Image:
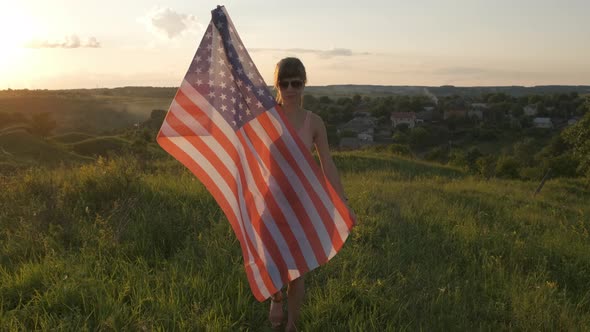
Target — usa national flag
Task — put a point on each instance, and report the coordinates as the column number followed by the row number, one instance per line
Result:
column 225, row 126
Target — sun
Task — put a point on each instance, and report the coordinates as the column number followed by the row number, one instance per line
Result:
column 16, row 29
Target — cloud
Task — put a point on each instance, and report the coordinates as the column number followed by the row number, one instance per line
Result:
column 335, row 52
column 167, row 23
column 72, row 41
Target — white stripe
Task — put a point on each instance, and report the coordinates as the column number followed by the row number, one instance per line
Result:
column 298, row 188
column 219, row 150
column 261, row 250
column 198, row 158
column 286, row 209
column 339, row 222
column 262, row 211
column 214, row 115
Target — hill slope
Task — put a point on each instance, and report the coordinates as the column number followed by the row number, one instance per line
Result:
column 112, row 245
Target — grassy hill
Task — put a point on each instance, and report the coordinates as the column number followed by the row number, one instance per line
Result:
column 123, row 245
column 100, row 146
column 72, row 137
column 18, row 147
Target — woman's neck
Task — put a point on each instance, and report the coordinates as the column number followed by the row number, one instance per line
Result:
column 292, row 108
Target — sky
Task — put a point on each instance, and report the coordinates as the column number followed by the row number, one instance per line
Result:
column 66, row 44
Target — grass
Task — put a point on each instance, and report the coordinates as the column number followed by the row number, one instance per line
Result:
column 123, row 245
column 71, row 137
column 21, row 148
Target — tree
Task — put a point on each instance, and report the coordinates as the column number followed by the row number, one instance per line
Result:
column 578, row 136
column 42, row 124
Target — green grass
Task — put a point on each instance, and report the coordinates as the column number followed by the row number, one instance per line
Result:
column 100, row 146
column 71, row 137
column 21, row 148
column 124, row 245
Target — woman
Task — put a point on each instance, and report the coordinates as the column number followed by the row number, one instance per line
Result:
column 289, row 81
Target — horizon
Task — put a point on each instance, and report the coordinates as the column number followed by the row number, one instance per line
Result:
column 66, row 45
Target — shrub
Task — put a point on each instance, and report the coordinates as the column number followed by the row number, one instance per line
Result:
column 400, row 150
column 507, row 167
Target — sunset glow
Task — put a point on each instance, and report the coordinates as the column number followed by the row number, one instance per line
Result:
column 84, row 44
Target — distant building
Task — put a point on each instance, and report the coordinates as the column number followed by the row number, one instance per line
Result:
column 426, row 115
column 454, row 114
column 573, row 120
column 349, row 143
column 363, row 127
column 542, row 123
column 530, row 110
column 475, row 113
column 398, row 118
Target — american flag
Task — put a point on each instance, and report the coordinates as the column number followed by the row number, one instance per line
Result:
column 225, row 126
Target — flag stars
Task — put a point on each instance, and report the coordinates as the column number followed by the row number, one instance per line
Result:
column 211, row 94
column 233, row 99
column 222, row 85
column 223, row 108
column 260, row 92
column 223, row 96
column 259, row 104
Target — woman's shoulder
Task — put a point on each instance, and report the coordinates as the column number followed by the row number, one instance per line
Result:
column 314, row 118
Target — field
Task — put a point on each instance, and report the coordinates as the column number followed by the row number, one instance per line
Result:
column 120, row 244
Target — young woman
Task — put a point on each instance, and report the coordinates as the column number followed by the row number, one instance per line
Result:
column 289, row 81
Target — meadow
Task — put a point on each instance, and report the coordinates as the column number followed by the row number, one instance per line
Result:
column 128, row 244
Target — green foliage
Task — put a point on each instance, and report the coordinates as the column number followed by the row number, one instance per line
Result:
column 486, row 166
column 101, row 146
column 578, row 136
column 400, row 150
column 507, row 167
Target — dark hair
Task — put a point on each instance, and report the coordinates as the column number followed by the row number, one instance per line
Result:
column 287, row 68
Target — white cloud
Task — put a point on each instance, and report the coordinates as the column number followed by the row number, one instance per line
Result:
column 169, row 24
column 321, row 53
column 71, row 41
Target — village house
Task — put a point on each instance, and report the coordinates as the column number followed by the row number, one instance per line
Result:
column 476, row 110
column 398, row 118
column 361, row 127
column 542, row 123
column 459, row 114
column 530, row 110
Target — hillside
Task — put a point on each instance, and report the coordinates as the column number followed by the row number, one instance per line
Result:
column 19, row 148
column 123, row 245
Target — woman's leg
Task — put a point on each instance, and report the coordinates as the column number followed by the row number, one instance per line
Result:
column 295, row 294
column 276, row 310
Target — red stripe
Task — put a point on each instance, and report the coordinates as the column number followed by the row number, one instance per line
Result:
column 265, row 236
column 289, row 192
column 203, row 119
column 278, row 140
column 334, row 196
column 211, row 156
column 276, row 213
column 187, row 161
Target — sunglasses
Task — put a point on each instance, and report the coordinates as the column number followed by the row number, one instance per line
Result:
column 295, row 84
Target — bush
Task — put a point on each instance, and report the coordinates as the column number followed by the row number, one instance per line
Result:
column 486, row 166
column 507, row 167
column 440, row 153
column 400, row 150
